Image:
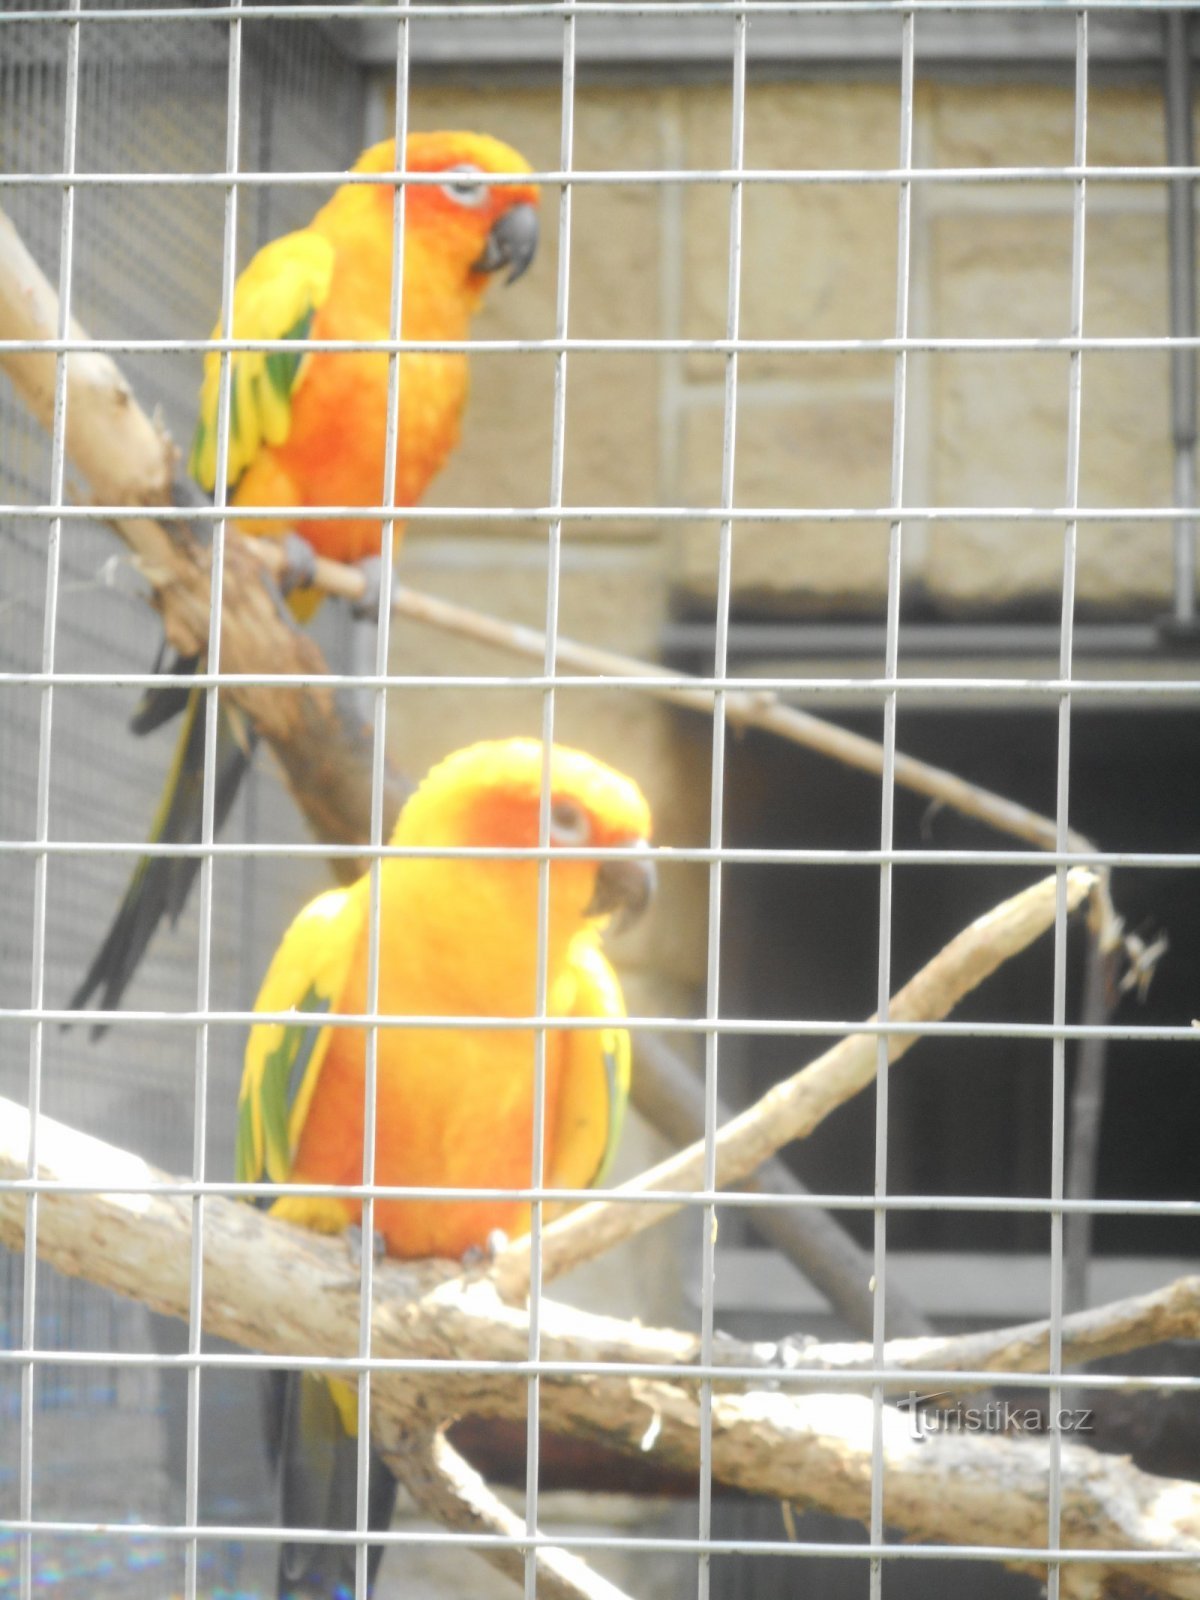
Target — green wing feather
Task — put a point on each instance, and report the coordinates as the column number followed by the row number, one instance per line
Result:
column 276, row 297
column 284, row 1059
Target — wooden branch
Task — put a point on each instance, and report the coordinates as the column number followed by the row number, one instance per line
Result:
column 756, row 708
column 321, row 741
column 669, row 1093
column 126, row 458
column 287, row 1291
column 449, row 1489
column 1172, row 1312
column 793, row 1108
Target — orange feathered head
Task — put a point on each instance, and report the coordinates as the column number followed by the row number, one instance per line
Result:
column 490, row 795
column 480, row 227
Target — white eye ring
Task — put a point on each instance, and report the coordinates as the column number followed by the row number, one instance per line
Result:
column 466, row 191
column 569, row 823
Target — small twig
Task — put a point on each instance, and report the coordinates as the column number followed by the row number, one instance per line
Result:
column 743, row 708
column 448, row 1488
column 794, row 1107
column 1087, row 1112
column 1172, row 1312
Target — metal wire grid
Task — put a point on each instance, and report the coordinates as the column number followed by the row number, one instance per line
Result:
column 200, row 1021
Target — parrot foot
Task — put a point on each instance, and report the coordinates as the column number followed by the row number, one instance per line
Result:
column 366, row 607
column 486, row 1254
column 299, row 570
column 353, row 1235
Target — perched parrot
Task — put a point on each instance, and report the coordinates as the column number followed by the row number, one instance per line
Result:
column 458, row 938
column 310, row 429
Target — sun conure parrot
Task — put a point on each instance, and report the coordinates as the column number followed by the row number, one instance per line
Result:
column 454, row 1108
column 310, row 429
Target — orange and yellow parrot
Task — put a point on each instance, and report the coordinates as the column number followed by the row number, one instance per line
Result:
column 454, row 1108
column 309, row 430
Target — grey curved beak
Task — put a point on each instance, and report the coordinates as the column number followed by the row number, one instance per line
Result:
column 624, row 888
column 512, row 242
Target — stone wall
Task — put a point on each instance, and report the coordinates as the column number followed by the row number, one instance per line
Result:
column 814, row 429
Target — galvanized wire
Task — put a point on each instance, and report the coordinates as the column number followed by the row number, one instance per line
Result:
column 58, row 462
column 1063, row 688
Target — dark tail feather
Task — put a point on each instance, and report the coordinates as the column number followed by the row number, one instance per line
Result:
column 318, row 1477
column 160, row 884
column 161, row 702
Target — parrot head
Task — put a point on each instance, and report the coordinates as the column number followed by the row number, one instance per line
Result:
column 477, row 228
column 489, row 795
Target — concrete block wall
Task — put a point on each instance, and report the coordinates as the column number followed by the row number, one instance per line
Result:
column 814, row 429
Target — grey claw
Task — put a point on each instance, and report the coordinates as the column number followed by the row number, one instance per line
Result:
column 485, row 1254
column 299, row 564
column 366, row 607
column 353, row 1236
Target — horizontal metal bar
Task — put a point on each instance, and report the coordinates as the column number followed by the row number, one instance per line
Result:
column 749, row 1027
column 792, row 1377
column 51, row 511
column 662, row 855
column 794, row 685
column 733, row 1199
column 933, row 344
column 775, row 44
column 666, row 9
column 581, row 177
column 979, row 638
column 236, row 1532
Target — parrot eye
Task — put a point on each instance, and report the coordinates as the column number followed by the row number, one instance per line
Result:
column 569, row 823
column 465, row 191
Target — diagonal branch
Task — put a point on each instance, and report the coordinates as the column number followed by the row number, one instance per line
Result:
column 669, row 1093
column 1172, row 1312
column 793, row 1108
column 449, row 1489
column 316, row 731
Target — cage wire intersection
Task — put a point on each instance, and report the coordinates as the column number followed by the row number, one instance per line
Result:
column 110, row 122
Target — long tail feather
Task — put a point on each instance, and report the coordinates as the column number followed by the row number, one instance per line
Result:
column 159, row 885
column 318, row 1476
column 161, row 702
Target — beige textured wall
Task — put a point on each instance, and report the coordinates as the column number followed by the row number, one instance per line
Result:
column 813, row 429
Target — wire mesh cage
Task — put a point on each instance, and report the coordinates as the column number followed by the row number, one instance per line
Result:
column 829, row 472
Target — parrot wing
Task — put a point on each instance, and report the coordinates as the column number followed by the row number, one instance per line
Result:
column 276, row 297
column 284, row 1059
column 594, row 1086
column 310, row 1421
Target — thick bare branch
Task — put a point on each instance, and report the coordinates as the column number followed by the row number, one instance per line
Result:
column 317, row 733
column 449, row 1489
column 793, row 1108
column 287, row 1291
column 124, row 457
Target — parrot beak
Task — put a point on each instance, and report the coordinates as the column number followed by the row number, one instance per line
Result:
column 624, row 887
column 512, row 242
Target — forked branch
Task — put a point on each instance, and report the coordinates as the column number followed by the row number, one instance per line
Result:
column 284, row 1291
column 793, row 1108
